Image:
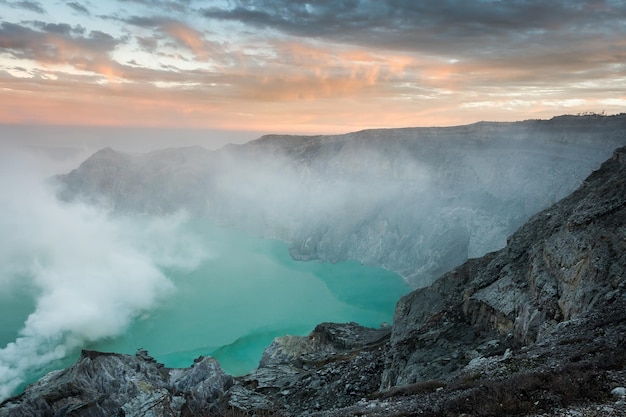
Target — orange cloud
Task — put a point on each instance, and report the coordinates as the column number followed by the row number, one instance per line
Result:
column 280, row 86
column 188, row 37
column 53, row 50
column 304, row 71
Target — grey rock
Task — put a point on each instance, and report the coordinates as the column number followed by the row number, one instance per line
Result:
column 201, row 384
column 247, row 400
column 335, row 366
column 553, row 270
column 107, row 384
column 619, row 392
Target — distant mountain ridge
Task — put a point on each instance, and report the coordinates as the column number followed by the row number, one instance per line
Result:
column 417, row 201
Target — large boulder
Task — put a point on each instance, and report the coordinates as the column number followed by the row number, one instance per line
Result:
column 109, row 384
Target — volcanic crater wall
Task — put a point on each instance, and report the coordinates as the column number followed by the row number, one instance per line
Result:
column 418, row 201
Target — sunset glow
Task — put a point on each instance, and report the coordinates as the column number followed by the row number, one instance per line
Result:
column 308, row 67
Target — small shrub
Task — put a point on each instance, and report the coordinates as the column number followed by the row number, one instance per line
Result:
column 530, row 392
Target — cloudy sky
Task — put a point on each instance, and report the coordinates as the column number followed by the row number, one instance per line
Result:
column 314, row 67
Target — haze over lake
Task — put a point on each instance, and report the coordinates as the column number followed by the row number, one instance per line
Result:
column 76, row 277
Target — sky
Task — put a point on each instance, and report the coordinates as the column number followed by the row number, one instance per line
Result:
column 291, row 66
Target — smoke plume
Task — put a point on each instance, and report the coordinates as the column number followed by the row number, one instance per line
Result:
column 90, row 273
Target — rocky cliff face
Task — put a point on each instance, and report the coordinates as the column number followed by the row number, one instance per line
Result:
column 417, row 201
column 537, row 327
column 567, row 261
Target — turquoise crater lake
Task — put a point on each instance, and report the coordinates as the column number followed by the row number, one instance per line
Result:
column 246, row 292
column 249, row 292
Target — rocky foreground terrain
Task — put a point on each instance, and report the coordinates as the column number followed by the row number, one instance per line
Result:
column 537, row 328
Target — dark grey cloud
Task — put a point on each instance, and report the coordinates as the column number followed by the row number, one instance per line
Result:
column 147, row 44
column 58, row 28
column 77, row 7
column 33, row 6
column 433, row 26
column 147, row 22
column 163, row 5
column 102, row 39
column 14, row 37
column 23, row 41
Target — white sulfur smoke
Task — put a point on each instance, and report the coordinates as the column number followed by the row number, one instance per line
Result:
column 91, row 274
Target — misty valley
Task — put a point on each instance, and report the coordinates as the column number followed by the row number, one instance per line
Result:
column 187, row 252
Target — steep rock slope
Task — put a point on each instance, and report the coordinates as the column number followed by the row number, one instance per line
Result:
column 566, row 261
column 418, row 201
